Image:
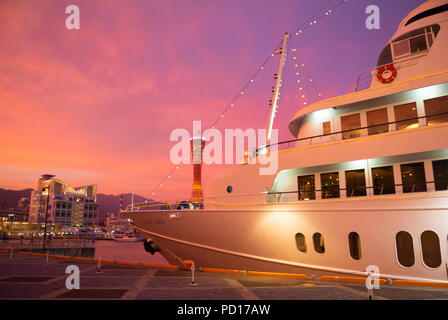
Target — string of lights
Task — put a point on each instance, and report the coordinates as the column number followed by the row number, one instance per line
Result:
column 301, row 71
column 320, row 15
column 307, row 24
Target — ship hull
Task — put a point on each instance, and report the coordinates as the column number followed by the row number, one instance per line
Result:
column 263, row 237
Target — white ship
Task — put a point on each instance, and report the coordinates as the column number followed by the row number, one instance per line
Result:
column 365, row 184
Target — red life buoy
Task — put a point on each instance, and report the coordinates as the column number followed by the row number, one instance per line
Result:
column 386, row 74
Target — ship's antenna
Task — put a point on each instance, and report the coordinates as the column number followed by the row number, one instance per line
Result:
column 132, row 200
column 278, row 84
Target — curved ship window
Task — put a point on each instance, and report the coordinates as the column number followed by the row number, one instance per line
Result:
column 229, row 189
column 431, row 249
column 354, row 242
column 385, row 56
column 405, row 249
column 428, row 13
column 300, row 242
column 318, row 241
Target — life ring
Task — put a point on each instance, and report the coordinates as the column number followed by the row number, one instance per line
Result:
column 386, row 74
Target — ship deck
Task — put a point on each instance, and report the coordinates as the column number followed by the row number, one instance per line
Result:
column 31, row 277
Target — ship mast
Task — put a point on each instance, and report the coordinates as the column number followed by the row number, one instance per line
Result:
column 276, row 89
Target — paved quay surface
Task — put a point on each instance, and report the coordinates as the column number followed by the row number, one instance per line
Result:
column 30, row 277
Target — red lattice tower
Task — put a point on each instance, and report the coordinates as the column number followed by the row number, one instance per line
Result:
column 121, row 205
column 197, row 146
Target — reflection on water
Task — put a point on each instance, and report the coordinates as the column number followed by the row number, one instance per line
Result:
column 126, row 251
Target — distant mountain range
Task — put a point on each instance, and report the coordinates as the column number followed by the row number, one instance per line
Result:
column 108, row 203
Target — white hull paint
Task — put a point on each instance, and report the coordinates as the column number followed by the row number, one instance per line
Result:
column 262, row 238
column 247, row 229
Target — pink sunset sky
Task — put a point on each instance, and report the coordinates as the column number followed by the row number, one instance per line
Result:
column 97, row 105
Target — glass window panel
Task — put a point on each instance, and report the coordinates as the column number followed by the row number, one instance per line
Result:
column 430, row 39
column 300, row 242
column 355, row 181
column 383, row 180
column 354, row 242
column 318, row 241
column 401, row 48
column 404, row 112
column 375, row 118
column 413, row 177
column 405, row 249
column 431, row 249
column 440, row 169
column 306, row 187
column 326, row 127
column 351, row 122
column 330, row 185
column 434, row 109
column 418, row 44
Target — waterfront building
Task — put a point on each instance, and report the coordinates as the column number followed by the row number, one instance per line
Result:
column 67, row 205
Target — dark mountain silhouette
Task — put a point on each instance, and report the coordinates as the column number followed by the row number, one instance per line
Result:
column 108, row 203
column 9, row 198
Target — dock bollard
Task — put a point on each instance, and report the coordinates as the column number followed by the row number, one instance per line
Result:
column 193, row 269
column 98, row 270
column 370, row 293
column 11, row 253
column 48, row 253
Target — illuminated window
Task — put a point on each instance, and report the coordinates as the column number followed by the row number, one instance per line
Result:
column 330, row 185
column 351, row 122
column 326, row 127
column 436, row 110
column 318, row 241
column 413, row 177
column 354, row 242
column 376, row 120
column 440, row 169
column 355, row 181
column 300, row 242
column 306, row 187
column 383, row 180
column 431, row 249
column 406, row 116
column 405, row 249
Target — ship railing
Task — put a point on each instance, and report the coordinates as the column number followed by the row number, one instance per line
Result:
column 365, row 77
column 177, row 205
column 335, row 192
column 352, row 133
column 6, row 242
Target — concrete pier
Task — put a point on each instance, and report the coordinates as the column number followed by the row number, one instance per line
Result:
column 30, row 277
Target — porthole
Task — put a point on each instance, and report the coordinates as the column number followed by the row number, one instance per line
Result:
column 229, row 189
column 318, row 241
column 431, row 249
column 354, row 243
column 300, row 242
column 405, row 249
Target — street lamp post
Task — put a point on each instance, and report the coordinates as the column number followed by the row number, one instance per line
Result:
column 46, row 217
